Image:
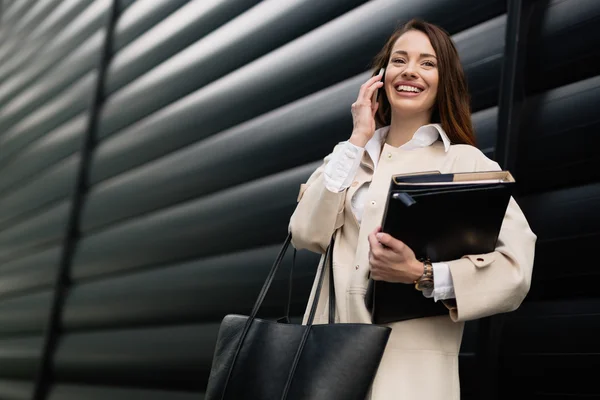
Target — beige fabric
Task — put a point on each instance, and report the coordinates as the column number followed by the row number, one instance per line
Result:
column 421, row 359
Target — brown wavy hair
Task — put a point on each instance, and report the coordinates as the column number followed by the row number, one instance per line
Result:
column 452, row 107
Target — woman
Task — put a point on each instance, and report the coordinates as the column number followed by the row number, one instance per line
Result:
column 423, row 83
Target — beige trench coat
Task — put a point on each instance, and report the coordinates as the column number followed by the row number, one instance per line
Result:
column 421, row 358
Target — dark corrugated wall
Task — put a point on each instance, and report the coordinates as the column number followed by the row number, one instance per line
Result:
column 213, row 113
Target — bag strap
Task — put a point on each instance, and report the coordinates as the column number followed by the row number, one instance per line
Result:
column 329, row 266
column 331, row 286
column 327, row 263
column 262, row 295
column 269, row 281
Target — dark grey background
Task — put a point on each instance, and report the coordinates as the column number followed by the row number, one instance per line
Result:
column 215, row 112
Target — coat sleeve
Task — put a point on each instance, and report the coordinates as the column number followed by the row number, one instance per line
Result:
column 488, row 284
column 318, row 214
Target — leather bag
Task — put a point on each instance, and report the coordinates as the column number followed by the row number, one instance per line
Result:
column 269, row 360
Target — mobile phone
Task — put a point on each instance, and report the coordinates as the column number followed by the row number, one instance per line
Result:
column 376, row 92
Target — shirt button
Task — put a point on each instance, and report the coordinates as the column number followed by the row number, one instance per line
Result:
column 356, row 267
column 389, row 155
column 373, row 203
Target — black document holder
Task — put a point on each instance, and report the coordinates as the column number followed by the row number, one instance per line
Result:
column 441, row 217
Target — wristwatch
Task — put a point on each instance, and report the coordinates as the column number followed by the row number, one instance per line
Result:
column 426, row 280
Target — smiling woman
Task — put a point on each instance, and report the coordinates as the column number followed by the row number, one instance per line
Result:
column 420, row 122
column 422, row 55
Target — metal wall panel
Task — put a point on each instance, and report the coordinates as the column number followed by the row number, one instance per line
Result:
column 138, row 299
column 306, row 61
column 160, row 358
column 15, row 390
column 72, row 392
column 34, row 271
column 40, row 36
column 214, row 104
column 75, row 33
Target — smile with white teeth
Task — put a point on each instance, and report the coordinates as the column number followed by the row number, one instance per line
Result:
column 405, row 88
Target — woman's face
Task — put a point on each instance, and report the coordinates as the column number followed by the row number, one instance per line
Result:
column 411, row 76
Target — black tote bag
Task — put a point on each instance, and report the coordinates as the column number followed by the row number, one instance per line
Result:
column 267, row 360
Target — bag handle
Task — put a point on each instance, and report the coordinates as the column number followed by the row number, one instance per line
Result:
column 270, row 277
column 329, row 266
column 263, row 293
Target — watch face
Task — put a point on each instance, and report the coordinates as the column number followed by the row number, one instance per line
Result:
column 426, row 284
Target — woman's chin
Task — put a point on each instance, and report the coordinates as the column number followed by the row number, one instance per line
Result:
column 406, row 107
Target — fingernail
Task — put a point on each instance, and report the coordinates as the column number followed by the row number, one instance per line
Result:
column 380, row 71
column 379, row 235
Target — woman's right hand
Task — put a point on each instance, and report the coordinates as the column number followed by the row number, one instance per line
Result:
column 363, row 112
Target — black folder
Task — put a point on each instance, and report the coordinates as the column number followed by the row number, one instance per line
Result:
column 441, row 217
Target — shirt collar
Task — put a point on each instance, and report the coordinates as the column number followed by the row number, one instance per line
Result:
column 423, row 137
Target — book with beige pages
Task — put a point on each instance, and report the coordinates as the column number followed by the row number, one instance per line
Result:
column 441, row 217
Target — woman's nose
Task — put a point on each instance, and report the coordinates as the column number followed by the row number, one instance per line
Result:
column 409, row 71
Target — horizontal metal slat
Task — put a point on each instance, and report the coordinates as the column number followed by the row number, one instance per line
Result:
column 52, row 82
column 15, row 12
column 560, row 145
column 76, row 64
column 552, row 377
column 284, row 138
column 481, row 50
column 19, row 357
column 176, row 357
column 45, row 229
column 68, row 142
column 574, row 211
column 42, row 34
column 10, row 44
column 564, row 240
column 177, row 31
column 233, row 99
column 35, row 270
column 15, row 390
column 28, row 201
column 61, row 391
column 25, row 315
column 34, row 16
column 59, row 18
column 69, row 104
column 87, row 22
column 139, row 17
column 263, row 28
column 43, row 153
column 568, row 334
column 173, row 234
column 485, row 125
column 568, row 28
column 201, row 290
column 551, row 346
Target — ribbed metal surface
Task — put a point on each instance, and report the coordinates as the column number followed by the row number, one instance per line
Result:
column 215, row 112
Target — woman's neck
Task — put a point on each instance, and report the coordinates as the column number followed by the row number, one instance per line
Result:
column 402, row 128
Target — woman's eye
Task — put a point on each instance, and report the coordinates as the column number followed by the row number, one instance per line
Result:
column 398, row 60
column 429, row 63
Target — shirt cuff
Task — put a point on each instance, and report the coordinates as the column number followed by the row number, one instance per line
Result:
column 443, row 286
column 342, row 168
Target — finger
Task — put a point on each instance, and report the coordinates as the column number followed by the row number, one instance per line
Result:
column 365, row 86
column 370, row 91
column 375, row 108
column 373, row 242
column 391, row 242
column 374, row 268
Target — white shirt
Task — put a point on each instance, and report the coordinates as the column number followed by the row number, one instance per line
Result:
column 342, row 168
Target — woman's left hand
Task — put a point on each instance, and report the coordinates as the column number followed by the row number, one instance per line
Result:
column 391, row 260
